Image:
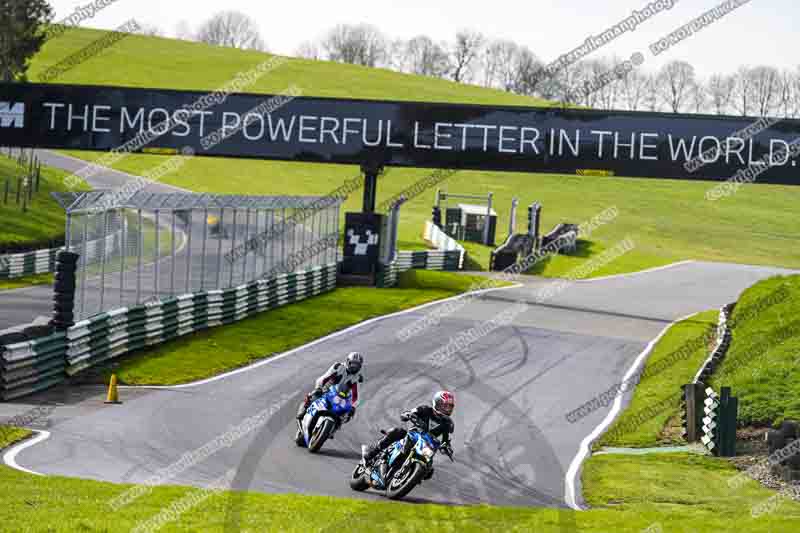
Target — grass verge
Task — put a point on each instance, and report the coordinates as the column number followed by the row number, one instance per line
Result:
column 27, row 281
column 678, row 492
column 10, row 435
column 652, row 417
column 762, row 364
column 628, row 494
column 42, row 222
column 218, row 350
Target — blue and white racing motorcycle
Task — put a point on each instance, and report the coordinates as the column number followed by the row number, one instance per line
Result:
column 402, row 474
column 324, row 417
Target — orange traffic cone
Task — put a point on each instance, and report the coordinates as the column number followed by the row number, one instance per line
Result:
column 113, row 394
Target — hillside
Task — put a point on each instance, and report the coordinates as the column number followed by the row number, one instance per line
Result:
column 668, row 220
column 762, row 364
column 42, row 223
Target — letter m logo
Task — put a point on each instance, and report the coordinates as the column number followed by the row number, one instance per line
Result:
column 12, row 115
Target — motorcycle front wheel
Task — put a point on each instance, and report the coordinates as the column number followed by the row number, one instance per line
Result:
column 358, row 479
column 404, row 481
column 320, row 435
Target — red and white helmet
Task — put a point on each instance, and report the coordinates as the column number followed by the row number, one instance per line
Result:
column 444, row 402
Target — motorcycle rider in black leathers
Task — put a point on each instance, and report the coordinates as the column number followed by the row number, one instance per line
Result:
column 434, row 419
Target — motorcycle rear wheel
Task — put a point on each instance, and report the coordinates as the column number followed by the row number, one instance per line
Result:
column 400, row 487
column 319, row 437
column 358, row 479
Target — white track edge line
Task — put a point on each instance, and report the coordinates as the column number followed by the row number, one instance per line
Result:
column 10, row 457
column 584, row 449
column 333, row 335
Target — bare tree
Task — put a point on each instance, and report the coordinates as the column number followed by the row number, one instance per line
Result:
column 743, row 92
column 719, row 90
column 425, row 57
column 498, row 64
column 608, row 86
column 395, row 57
column 565, row 87
column 183, row 31
column 360, row 44
column 575, row 83
column 150, row 30
column 788, row 101
column 309, row 50
column 526, row 73
column 650, row 99
column 793, row 80
column 464, row 54
column 699, row 98
column 675, row 82
column 232, row 29
column 633, row 88
column 765, row 85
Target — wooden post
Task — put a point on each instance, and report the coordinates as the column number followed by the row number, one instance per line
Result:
column 38, row 175
column 25, row 195
column 693, row 397
column 19, row 188
column 8, row 188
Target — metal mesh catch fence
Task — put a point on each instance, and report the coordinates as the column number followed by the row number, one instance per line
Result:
column 160, row 246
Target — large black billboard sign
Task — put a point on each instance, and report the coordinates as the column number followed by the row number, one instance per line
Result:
column 523, row 139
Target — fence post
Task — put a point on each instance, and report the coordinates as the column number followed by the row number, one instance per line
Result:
column 728, row 411
column 692, row 412
column 8, row 188
column 25, row 195
column 19, row 188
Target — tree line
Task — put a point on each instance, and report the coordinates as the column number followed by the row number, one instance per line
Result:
column 470, row 58
column 473, row 58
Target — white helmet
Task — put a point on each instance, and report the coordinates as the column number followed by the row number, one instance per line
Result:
column 354, row 362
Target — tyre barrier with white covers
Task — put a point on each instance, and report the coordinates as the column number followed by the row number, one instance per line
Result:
column 36, row 365
column 724, row 337
column 28, row 264
column 44, row 261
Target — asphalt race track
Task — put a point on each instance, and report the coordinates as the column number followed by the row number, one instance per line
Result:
column 513, row 445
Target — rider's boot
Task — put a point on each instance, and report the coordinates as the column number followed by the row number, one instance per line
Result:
column 364, row 455
column 301, row 412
